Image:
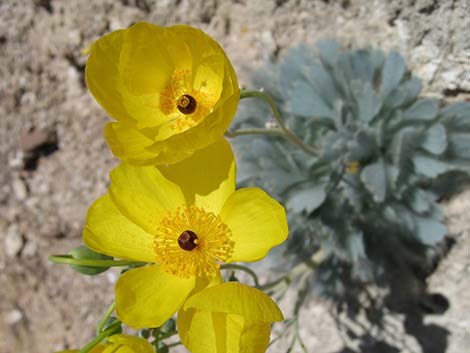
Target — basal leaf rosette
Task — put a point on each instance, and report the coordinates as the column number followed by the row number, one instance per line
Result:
column 185, row 219
column 120, row 344
column 227, row 318
column 171, row 90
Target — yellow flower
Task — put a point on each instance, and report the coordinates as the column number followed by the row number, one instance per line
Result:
column 120, row 344
column 186, row 218
column 228, row 318
column 172, row 91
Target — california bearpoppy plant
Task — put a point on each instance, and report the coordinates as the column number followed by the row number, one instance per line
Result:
column 185, row 219
column 172, row 91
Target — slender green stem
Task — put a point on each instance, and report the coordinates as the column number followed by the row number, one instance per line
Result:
column 105, row 317
column 242, row 132
column 242, row 268
column 69, row 260
column 100, row 337
column 287, row 133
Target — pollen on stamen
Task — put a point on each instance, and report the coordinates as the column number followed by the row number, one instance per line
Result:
column 206, row 242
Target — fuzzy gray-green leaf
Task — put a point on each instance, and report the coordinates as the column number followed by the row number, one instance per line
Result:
column 306, row 199
column 423, row 109
column 435, row 139
column 428, row 166
column 374, row 178
column 429, row 231
column 393, row 71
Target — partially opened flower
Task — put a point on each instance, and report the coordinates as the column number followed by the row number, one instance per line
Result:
column 227, row 318
column 172, row 91
column 120, row 344
column 185, row 218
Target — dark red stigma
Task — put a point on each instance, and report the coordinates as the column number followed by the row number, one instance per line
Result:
column 187, row 104
column 187, row 240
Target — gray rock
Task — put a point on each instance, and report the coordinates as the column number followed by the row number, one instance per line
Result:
column 13, row 241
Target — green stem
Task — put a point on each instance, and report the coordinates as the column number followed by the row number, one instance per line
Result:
column 69, row 260
column 242, row 268
column 287, row 133
column 105, row 317
column 242, row 132
column 100, row 337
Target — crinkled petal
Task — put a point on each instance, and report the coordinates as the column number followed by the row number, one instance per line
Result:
column 257, row 221
column 236, row 298
column 145, row 63
column 207, row 178
column 103, row 78
column 148, row 296
column 128, row 344
column 143, row 194
column 109, row 232
column 128, row 143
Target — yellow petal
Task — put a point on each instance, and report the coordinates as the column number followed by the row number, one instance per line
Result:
column 255, row 337
column 103, row 78
column 197, row 331
column 143, row 194
column 128, row 344
column 207, row 178
column 149, row 56
column 213, row 332
column 109, row 232
column 236, row 298
column 148, row 296
column 128, row 143
column 257, row 221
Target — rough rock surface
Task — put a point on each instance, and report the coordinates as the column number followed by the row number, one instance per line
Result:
column 46, row 307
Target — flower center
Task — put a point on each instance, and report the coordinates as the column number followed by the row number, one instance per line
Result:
column 192, row 242
column 186, row 104
column 187, row 240
column 183, row 104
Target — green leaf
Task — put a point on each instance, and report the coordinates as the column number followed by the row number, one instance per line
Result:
column 306, row 199
column 421, row 201
column 392, row 72
column 82, row 252
column 429, row 166
column 168, row 327
column 305, row 101
column 460, row 145
column 435, row 139
column 423, row 109
column 403, row 147
column 404, row 94
column 374, row 178
column 429, row 231
column 368, row 103
column 329, row 51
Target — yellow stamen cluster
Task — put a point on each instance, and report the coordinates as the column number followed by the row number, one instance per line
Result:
column 214, row 244
column 180, row 94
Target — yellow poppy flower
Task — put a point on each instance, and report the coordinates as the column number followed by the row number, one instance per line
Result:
column 186, row 219
column 120, row 344
column 229, row 318
column 172, row 91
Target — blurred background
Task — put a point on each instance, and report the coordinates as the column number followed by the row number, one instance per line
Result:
column 55, row 162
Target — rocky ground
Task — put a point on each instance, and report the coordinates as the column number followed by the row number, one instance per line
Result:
column 54, row 160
